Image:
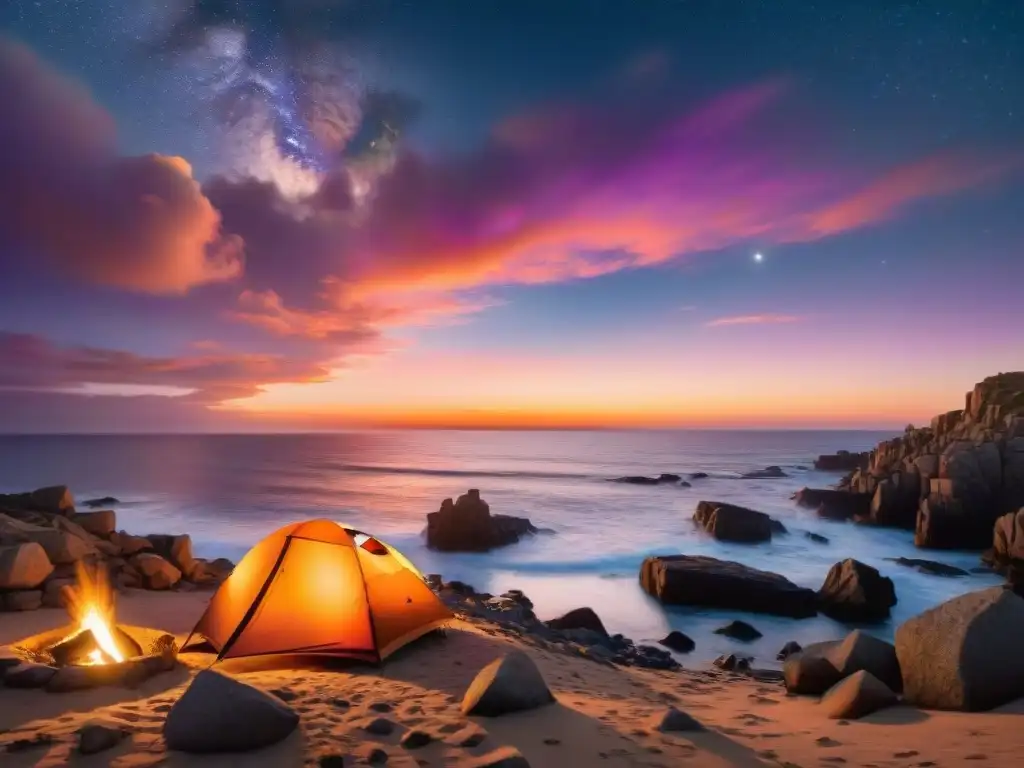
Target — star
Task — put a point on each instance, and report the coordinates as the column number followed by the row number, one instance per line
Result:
column 759, row 257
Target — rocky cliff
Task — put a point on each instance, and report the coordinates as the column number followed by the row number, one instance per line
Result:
column 950, row 481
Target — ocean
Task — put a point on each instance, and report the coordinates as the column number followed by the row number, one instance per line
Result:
column 228, row 491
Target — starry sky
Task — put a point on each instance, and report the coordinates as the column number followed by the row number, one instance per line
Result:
column 317, row 214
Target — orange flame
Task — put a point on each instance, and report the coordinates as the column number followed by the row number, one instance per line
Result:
column 91, row 606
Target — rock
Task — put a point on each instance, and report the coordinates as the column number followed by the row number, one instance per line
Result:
column 63, row 545
column 1008, row 542
column 21, row 600
column 816, row 537
column 95, row 737
column 733, row 663
column 579, row 618
column 809, row 671
column 217, row 713
column 834, row 505
column 467, row 525
column 855, row 592
column 211, row 573
column 56, row 592
column 766, row 473
column 706, row 581
column 698, row 475
column 100, row 523
column 965, row 653
column 53, row 500
column 856, row 696
column 29, row 675
column 511, row 683
column 788, row 650
column 944, row 523
column 23, row 566
column 739, row 630
column 668, row 477
column 675, row 721
column 177, row 550
column 929, row 566
column 636, row 480
column 843, row 461
column 157, row 572
column 503, row 757
column 131, row 545
column 728, row 522
column 861, row 651
column 678, row 642
column 103, row 501
column 379, row 726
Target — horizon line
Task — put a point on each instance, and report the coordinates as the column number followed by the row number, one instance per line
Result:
column 349, row 430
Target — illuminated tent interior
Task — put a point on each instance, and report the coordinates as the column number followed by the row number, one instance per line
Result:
column 318, row 587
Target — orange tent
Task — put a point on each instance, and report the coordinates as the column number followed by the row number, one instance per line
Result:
column 320, row 588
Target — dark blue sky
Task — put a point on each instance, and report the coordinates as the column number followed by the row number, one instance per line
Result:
column 879, row 179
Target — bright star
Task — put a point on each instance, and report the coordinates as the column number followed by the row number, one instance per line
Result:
column 758, row 256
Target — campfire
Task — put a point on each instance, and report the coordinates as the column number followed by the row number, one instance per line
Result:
column 93, row 650
column 95, row 638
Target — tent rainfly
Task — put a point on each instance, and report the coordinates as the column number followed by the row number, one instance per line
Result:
column 318, row 587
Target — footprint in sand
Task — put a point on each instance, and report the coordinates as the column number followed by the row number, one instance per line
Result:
column 825, row 741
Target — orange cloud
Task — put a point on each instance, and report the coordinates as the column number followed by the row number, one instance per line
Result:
column 752, row 320
column 138, row 223
column 932, row 177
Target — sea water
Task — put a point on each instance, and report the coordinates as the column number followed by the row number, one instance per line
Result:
column 228, row 491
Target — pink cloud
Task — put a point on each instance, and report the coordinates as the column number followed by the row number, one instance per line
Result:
column 138, row 223
column 768, row 319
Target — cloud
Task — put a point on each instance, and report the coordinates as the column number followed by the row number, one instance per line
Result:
column 30, row 362
column 137, row 223
column 752, row 320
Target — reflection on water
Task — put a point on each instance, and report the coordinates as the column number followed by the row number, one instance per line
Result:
column 229, row 491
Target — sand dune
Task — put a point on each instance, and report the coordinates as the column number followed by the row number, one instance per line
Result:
column 604, row 716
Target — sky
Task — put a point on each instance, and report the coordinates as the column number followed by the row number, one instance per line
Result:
column 260, row 215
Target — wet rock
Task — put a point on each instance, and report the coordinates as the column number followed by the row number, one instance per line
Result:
column 698, row 475
column 1008, row 542
column 788, row 650
column 733, row 663
column 929, row 566
column 858, row 695
column 739, row 630
column 810, row 671
column 511, row 683
column 676, row 721
column 729, row 522
column 23, row 566
column 860, row 651
column 95, row 737
column 103, row 501
column 706, row 581
column 220, row 714
column 467, row 525
column 965, row 653
column 678, row 642
column 855, row 592
column 833, row 504
column 579, row 618
column 816, row 537
column 762, row 474
column 843, row 461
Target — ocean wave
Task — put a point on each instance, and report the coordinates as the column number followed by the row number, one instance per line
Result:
column 482, row 473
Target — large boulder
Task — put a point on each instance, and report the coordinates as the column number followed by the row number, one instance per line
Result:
column 1008, row 542
column 64, row 542
column 155, row 571
column 52, row 500
column 843, row 461
column 965, row 653
column 896, row 498
column 220, row 714
column 833, row 504
column 855, row 592
column 467, row 525
column 177, row 550
column 23, row 566
column 729, row 522
column 509, row 684
column 809, row 671
column 860, row 651
column 943, row 522
column 706, row 581
column 856, row 696
column 579, row 618
column 101, row 522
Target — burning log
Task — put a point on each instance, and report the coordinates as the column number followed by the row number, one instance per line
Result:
column 87, row 647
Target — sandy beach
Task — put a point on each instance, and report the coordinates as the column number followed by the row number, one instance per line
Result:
column 604, row 715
